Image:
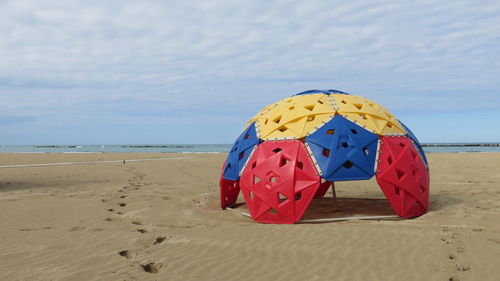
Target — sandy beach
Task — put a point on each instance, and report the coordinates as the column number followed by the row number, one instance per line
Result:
column 160, row 220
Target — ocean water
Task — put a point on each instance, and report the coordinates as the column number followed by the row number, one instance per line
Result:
column 461, row 149
column 162, row 148
column 195, row 148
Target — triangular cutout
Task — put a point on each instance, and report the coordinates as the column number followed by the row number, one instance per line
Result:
column 283, row 161
column 256, row 179
column 309, row 107
column 400, row 173
column 281, row 197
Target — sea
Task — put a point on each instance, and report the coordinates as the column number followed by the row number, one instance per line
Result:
column 210, row 148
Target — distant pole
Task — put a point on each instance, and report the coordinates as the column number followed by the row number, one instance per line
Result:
column 336, row 207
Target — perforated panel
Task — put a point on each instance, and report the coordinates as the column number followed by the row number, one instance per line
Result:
column 344, row 150
column 260, row 113
column 240, row 152
column 417, row 144
column 295, row 117
column 368, row 115
column 279, row 182
column 229, row 191
column 403, row 177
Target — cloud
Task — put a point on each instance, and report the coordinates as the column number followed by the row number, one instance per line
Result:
column 193, row 59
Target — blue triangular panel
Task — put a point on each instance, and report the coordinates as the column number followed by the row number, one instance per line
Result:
column 326, row 92
column 416, row 142
column 240, row 152
column 344, row 150
column 332, row 91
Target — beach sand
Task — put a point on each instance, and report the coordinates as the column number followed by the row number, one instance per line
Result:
column 116, row 221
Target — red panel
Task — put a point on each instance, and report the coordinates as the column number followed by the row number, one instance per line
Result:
column 323, row 188
column 403, row 177
column 279, row 182
column 229, row 190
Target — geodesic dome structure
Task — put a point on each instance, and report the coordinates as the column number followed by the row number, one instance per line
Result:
column 293, row 149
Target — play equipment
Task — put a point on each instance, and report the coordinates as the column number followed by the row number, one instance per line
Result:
column 292, row 150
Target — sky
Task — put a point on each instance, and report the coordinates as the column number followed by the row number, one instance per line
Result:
column 157, row 72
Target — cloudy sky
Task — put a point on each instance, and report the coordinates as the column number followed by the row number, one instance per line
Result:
column 112, row 72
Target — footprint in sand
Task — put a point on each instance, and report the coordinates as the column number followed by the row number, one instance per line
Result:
column 152, row 267
column 159, row 240
column 455, row 257
column 125, row 253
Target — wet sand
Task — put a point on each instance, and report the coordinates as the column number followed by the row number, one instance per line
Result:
column 159, row 220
